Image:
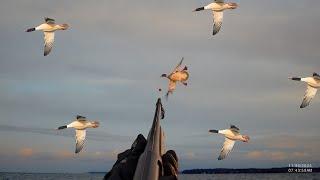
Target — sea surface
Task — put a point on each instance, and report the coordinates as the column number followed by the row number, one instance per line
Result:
column 88, row 176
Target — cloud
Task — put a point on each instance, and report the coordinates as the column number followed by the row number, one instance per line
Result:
column 276, row 155
column 26, row 152
column 94, row 135
column 63, row 154
column 288, row 142
column 189, row 155
column 255, row 154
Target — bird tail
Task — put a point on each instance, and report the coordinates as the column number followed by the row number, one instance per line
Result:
column 61, row 127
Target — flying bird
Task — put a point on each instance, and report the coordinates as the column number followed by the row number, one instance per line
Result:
column 179, row 74
column 231, row 136
column 217, row 7
column 313, row 84
column 48, row 28
column 80, row 124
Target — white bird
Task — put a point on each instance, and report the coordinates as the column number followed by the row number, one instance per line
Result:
column 313, row 84
column 48, row 28
column 177, row 75
column 231, row 136
column 217, row 7
column 80, row 124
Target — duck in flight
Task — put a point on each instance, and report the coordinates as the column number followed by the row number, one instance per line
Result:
column 231, row 136
column 313, row 84
column 48, row 28
column 217, row 8
column 179, row 74
column 80, row 124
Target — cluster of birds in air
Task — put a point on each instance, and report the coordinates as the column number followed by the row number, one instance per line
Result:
column 179, row 74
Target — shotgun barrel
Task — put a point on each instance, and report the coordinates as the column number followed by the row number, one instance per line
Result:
column 150, row 166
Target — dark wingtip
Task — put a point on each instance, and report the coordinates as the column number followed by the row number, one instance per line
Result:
column 214, row 33
column 199, row 9
column 295, row 78
column 62, row 127
column 31, row 29
column 234, row 127
column 302, row 106
column 80, row 117
column 213, row 131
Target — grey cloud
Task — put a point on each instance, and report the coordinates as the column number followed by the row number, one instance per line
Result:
column 97, row 136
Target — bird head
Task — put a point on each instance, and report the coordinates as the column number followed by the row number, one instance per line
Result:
column 232, row 5
column 64, row 26
column 245, row 138
column 95, row 124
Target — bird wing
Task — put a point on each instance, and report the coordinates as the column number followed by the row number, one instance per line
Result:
column 308, row 96
column 217, row 21
column 80, row 117
column 316, row 76
column 234, row 129
column 49, row 20
column 219, row 1
column 82, row 121
column 80, row 138
column 227, row 147
column 178, row 65
column 48, row 42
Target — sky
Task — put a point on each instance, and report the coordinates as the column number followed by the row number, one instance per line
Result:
column 107, row 67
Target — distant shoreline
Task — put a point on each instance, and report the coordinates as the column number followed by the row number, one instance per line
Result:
column 252, row 170
column 211, row 171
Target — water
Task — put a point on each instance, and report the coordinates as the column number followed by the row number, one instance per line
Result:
column 87, row 176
